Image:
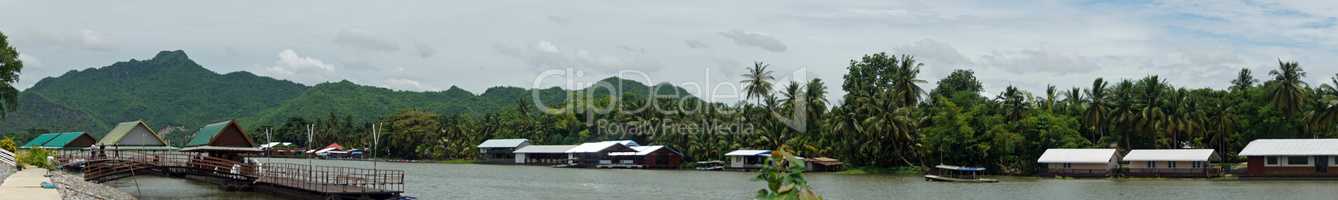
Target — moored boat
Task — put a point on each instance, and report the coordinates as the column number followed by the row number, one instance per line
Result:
column 950, row 173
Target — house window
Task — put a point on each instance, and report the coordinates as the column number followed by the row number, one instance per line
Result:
column 1298, row 160
column 1068, row 165
column 1271, row 161
column 1334, row 160
column 1170, row 164
column 1196, row 164
column 1151, row 164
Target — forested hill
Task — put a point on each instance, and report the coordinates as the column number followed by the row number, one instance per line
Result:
column 171, row 90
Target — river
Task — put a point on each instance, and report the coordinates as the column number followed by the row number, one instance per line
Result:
column 472, row 181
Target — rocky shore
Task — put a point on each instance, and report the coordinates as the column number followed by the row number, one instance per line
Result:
column 74, row 187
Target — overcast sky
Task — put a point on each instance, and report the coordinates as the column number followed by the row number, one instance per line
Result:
column 433, row 45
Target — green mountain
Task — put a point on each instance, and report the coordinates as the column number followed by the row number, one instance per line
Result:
column 170, row 91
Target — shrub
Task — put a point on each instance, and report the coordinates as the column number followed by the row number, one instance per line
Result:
column 8, row 144
column 784, row 174
column 35, row 157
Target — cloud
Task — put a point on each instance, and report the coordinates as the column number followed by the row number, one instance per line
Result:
column 29, row 61
column 1039, row 61
column 363, row 40
column 425, row 51
column 293, row 66
column 405, row 84
column 695, row 44
column 558, row 20
column 935, row 52
column 547, row 55
column 753, row 39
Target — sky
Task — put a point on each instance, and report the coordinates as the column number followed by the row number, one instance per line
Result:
column 705, row 45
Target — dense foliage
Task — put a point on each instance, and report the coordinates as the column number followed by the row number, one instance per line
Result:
column 10, row 67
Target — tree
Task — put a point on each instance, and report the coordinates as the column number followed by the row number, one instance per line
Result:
column 757, row 81
column 1097, row 108
column 411, row 134
column 10, row 67
column 905, row 81
column 1289, row 92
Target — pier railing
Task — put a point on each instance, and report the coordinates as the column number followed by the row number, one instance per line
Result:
column 110, row 165
column 330, row 179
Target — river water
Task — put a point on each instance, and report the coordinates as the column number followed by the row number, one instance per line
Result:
column 471, row 181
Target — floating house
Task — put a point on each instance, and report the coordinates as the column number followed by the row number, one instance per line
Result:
column 1079, row 162
column 594, row 154
column 500, row 150
column 1172, row 163
column 656, row 156
column 747, row 159
column 38, row 141
column 134, row 135
column 224, row 140
column 1292, row 158
column 824, row 164
column 542, row 154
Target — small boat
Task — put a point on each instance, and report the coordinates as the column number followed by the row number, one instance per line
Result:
column 714, row 165
column 950, row 173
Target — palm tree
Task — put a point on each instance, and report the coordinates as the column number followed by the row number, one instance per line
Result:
column 10, row 67
column 1097, row 108
column 1288, row 91
column 757, row 82
column 904, row 82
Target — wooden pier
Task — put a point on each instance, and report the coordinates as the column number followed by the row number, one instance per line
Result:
column 289, row 179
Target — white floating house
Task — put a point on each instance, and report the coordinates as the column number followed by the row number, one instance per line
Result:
column 500, row 150
column 1172, row 162
column 1292, row 158
column 1079, row 162
column 747, row 159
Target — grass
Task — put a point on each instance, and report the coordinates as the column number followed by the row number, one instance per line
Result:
column 866, row 170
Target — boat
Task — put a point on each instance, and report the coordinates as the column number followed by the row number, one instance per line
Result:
column 951, row 173
column 714, row 165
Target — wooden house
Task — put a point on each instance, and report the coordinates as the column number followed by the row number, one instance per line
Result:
column 134, row 135
column 1172, row 163
column 500, row 150
column 1079, row 162
column 824, row 164
column 542, row 154
column 745, row 159
column 224, row 140
column 594, row 154
column 656, row 156
column 1291, row 158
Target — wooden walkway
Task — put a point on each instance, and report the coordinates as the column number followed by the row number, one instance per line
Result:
column 310, row 181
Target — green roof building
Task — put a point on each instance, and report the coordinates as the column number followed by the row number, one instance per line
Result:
column 224, row 140
column 37, row 142
column 70, row 140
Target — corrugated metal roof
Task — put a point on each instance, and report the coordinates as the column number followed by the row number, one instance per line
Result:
column 1077, row 156
column 502, row 143
column 640, row 151
column 60, row 141
column 746, row 152
column 113, row 137
column 629, row 143
column 545, row 149
column 39, row 140
column 592, row 147
column 1170, row 155
column 207, row 133
column 1291, row 147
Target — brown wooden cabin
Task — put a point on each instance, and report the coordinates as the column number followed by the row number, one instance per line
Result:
column 594, row 154
column 656, row 156
column 1292, row 158
column 824, row 164
column 224, row 140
